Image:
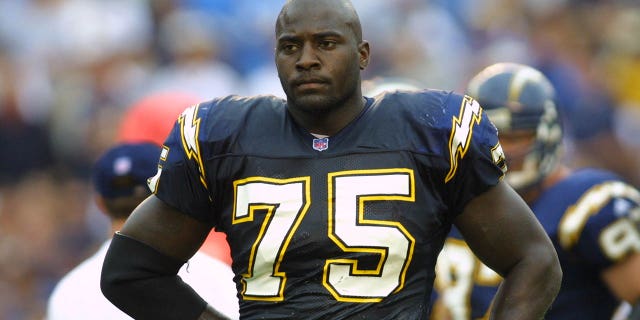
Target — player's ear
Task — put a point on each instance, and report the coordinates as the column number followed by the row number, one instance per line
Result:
column 363, row 50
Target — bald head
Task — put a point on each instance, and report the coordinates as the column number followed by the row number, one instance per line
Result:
column 341, row 10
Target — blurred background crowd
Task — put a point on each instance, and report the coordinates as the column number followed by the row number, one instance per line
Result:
column 69, row 69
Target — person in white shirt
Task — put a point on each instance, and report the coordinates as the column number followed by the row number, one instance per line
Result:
column 119, row 178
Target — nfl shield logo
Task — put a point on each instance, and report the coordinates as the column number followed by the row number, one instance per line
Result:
column 321, row 144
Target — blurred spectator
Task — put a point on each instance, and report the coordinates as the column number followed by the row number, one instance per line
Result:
column 150, row 118
column 24, row 145
column 191, row 40
column 119, row 178
column 42, row 235
column 620, row 61
column 567, row 49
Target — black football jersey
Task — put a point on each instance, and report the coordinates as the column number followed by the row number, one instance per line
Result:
column 341, row 227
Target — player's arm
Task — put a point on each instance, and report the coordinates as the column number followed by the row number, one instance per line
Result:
column 139, row 274
column 503, row 232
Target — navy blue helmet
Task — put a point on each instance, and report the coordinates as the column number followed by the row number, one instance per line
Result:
column 517, row 97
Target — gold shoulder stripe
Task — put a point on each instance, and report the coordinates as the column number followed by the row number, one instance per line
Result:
column 575, row 218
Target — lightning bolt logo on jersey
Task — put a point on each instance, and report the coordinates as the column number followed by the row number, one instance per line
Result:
column 470, row 115
column 353, row 229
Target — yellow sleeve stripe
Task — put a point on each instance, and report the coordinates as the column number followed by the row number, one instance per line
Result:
column 575, row 218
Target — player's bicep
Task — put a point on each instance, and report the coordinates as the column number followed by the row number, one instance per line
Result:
column 493, row 224
column 166, row 229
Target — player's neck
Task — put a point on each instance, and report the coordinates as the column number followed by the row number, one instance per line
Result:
column 319, row 136
column 331, row 121
column 554, row 177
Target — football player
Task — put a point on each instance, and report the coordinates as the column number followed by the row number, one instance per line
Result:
column 591, row 215
column 335, row 205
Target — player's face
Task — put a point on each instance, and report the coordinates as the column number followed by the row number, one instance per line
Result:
column 318, row 58
column 516, row 145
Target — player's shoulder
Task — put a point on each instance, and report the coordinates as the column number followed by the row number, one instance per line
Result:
column 232, row 108
column 224, row 116
column 604, row 187
column 419, row 100
column 241, row 104
column 445, row 119
column 589, row 190
column 430, row 107
column 587, row 178
column 597, row 198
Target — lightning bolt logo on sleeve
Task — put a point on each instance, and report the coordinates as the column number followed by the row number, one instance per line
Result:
column 189, row 130
column 461, row 133
column 153, row 181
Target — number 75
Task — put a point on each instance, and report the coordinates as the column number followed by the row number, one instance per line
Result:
column 287, row 201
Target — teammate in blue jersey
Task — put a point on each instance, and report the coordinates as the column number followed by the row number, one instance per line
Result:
column 591, row 215
column 335, row 205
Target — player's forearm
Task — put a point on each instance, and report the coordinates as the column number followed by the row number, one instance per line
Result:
column 143, row 283
column 529, row 288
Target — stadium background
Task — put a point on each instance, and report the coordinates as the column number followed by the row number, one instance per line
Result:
column 69, row 69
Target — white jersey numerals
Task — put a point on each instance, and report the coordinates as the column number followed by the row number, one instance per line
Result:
column 286, row 202
column 620, row 239
column 352, row 232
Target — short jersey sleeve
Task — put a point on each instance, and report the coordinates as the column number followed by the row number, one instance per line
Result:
column 476, row 161
column 610, row 214
column 181, row 180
